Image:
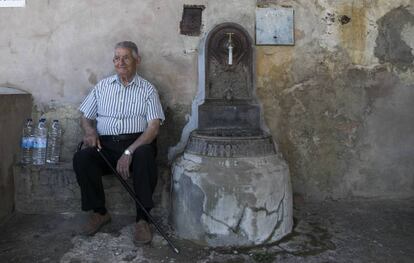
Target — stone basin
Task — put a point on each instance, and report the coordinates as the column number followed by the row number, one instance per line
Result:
column 243, row 201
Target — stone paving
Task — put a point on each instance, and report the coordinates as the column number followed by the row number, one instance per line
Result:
column 334, row 231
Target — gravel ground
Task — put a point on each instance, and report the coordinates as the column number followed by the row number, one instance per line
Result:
column 335, row 231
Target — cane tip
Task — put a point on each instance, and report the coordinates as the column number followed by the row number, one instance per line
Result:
column 176, row 251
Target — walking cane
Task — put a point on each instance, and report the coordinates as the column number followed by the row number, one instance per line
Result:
column 132, row 194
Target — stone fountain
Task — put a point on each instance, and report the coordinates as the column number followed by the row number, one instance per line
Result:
column 230, row 186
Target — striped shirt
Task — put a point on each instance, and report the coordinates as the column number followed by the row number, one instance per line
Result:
column 122, row 110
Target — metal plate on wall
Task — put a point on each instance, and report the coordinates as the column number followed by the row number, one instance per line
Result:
column 274, row 26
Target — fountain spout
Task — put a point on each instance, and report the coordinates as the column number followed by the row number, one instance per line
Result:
column 230, row 48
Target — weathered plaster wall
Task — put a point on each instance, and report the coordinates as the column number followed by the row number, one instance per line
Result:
column 64, row 47
column 338, row 102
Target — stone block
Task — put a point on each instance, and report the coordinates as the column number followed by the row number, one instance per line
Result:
column 15, row 107
column 232, row 115
column 53, row 188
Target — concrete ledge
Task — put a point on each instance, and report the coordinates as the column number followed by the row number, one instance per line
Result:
column 53, row 188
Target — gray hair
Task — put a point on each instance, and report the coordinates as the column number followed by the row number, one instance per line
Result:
column 130, row 45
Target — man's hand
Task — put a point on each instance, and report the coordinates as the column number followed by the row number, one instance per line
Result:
column 149, row 134
column 91, row 139
column 123, row 165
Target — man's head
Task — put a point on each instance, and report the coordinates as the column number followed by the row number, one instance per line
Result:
column 126, row 59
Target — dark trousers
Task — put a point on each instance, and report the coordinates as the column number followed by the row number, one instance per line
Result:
column 90, row 167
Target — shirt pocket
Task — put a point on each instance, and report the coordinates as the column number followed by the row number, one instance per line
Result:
column 134, row 107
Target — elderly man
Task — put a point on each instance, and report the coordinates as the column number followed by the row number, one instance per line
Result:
column 121, row 116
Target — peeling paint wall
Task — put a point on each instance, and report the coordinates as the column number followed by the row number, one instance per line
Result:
column 338, row 102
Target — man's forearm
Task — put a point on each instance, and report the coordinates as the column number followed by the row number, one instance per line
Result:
column 91, row 136
column 88, row 125
column 148, row 136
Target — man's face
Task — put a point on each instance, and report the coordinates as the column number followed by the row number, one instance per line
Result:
column 125, row 64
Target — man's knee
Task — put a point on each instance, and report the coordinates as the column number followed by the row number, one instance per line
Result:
column 83, row 157
column 144, row 151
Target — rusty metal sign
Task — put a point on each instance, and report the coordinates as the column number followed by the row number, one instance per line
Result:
column 190, row 24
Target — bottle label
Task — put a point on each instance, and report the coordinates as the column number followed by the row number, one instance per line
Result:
column 40, row 143
column 27, row 142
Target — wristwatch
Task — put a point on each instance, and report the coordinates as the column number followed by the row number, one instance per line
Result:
column 127, row 152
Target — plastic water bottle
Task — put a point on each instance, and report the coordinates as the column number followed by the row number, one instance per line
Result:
column 27, row 142
column 53, row 143
column 40, row 141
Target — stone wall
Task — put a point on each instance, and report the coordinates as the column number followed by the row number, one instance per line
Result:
column 338, row 102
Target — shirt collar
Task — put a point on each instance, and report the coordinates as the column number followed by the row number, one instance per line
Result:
column 135, row 80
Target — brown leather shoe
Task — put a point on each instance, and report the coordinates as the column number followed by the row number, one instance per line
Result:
column 142, row 233
column 96, row 221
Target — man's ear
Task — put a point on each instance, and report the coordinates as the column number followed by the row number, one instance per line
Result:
column 138, row 61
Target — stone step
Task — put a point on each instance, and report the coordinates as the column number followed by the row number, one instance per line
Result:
column 54, row 189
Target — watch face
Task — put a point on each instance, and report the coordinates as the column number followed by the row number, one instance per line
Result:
column 127, row 152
